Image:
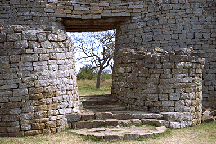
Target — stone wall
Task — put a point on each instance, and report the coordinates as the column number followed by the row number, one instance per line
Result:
column 37, row 74
column 174, row 24
column 160, row 81
column 38, row 81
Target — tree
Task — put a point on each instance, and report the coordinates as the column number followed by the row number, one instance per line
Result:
column 97, row 47
column 86, row 72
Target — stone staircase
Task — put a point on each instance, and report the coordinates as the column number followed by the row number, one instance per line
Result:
column 105, row 117
column 101, row 103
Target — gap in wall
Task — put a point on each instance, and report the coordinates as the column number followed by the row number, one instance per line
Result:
column 94, row 50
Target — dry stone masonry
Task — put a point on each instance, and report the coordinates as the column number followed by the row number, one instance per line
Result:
column 160, row 81
column 38, row 82
column 37, row 67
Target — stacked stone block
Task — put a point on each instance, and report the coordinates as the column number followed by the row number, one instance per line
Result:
column 169, row 24
column 174, row 24
column 37, row 74
column 160, row 81
column 38, row 81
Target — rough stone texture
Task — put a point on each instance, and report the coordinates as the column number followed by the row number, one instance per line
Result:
column 37, row 73
column 37, row 70
column 207, row 117
column 73, row 117
column 160, row 81
column 121, row 133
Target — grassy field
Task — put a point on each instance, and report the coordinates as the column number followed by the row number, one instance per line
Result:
column 200, row 134
column 88, row 87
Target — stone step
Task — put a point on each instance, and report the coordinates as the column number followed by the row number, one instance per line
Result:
column 99, row 102
column 119, row 115
column 176, row 116
column 103, row 116
column 115, row 122
column 111, row 122
column 97, row 97
column 118, row 133
column 103, row 108
column 155, row 122
column 94, row 123
column 139, row 114
column 114, row 118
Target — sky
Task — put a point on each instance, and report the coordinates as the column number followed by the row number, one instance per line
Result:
column 79, row 54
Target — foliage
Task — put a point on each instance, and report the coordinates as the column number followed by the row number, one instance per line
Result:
column 156, row 124
column 97, row 48
column 106, row 77
column 86, row 72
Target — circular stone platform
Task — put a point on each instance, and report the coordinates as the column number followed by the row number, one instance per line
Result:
column 119, row 133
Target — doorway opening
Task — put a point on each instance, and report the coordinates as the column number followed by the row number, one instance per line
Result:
column 94, row 42
column 92, row 98
column 94, row 53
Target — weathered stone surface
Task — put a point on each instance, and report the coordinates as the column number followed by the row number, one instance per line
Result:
column 207, row 117
column 73, row 117
column 170, row 116
column 25, row 127
column 13, row 129
column 131, row 136
column 117, row 133
column 112, row 122
column 175, row 125
column 151, row 121
column 87, row 116
column 99, row 135
column 104, row 115
column 123, row 116
column 98, row 123
column 151, row 72
column 84, row 124
column 17, row 134
column 124, row 122
column 109, row 137
column 51, row 124
column 143, row 115
column 136, row 121
column 145, row 135
column 32, row 132
column 10, row 118
column 37, row 126
column 61, row 122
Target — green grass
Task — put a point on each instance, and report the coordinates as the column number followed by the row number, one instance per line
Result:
column 204, row 134
column 92, row 138
column 88, row 87
column 153, row 123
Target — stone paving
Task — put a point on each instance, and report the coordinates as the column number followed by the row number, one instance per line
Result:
column 118, row 133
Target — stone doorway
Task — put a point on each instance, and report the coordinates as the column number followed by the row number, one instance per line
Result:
column 93, row 25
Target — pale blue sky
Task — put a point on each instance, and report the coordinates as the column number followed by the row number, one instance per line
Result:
column 79, row 54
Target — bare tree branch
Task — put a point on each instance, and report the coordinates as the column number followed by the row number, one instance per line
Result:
column 99, row 48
